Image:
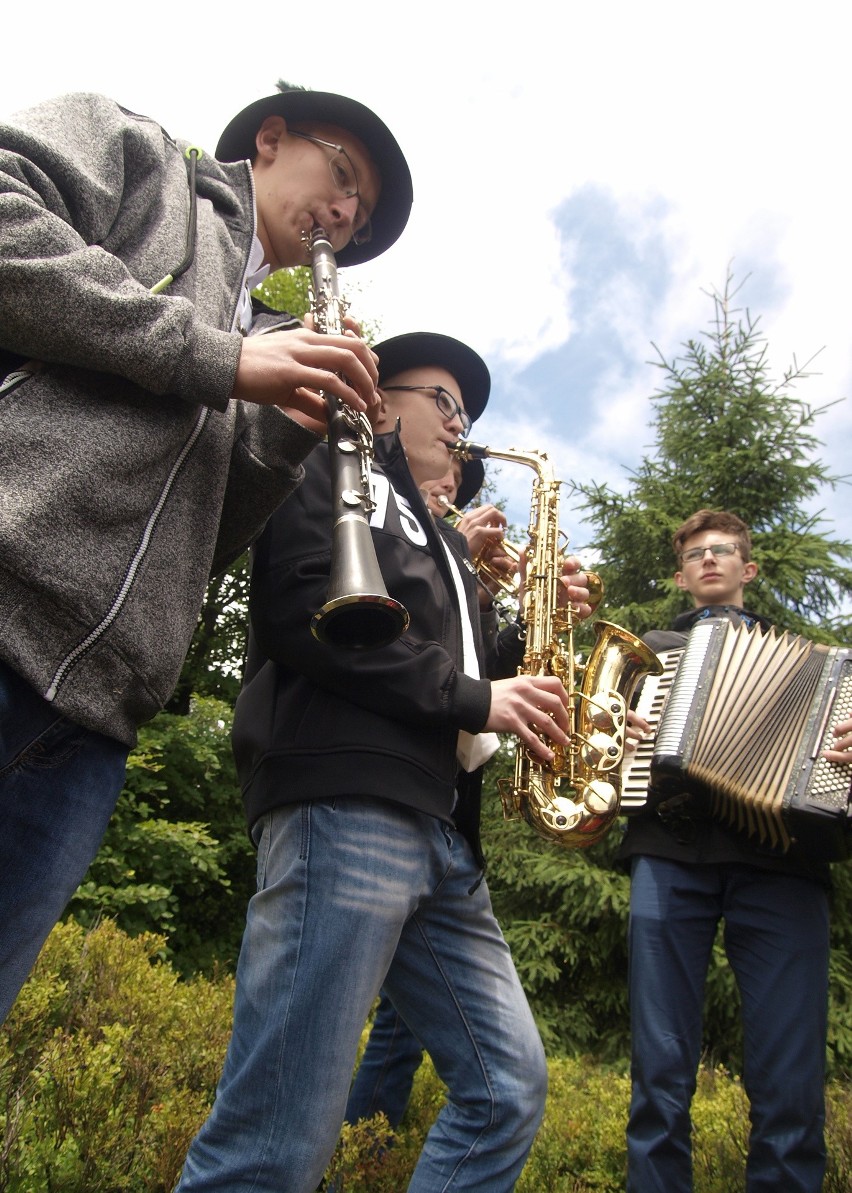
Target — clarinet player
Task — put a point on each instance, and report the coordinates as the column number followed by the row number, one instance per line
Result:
column 361, row 776
column 145, row 435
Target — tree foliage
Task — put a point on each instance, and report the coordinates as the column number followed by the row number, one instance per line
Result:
column 176, row 858
column 728, row 437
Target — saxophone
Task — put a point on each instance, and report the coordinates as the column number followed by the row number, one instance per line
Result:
column 358, row 613
column 574, row 799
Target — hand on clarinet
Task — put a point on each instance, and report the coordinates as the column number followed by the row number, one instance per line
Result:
column 289, row 369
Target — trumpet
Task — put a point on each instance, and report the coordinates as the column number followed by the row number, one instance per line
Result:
column 509, row 583
column 494, row 580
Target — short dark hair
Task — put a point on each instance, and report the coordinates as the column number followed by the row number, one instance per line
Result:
column 713, row 520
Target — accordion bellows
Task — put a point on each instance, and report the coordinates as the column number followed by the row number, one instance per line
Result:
column 745, row 722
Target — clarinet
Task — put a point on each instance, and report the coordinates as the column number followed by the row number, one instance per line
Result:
column 358, row 613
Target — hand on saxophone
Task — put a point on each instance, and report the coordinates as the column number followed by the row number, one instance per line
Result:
column 575, row 588
column 288, row 369
column 529, row 705
column 841, row 750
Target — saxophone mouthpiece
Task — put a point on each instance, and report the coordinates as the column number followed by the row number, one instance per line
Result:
column 465, row 450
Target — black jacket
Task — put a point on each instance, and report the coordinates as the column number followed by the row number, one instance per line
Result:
column 683, row 829
column 315, row 722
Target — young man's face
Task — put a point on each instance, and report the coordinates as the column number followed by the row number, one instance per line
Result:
column 295, row 189
column 714, row 579
column 447, row 487
column 427, row 432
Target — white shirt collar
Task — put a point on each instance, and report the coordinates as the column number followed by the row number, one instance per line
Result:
column 256, row 272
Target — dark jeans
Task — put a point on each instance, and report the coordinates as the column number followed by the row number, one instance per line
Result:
column 386, row 1072
column 777, row 942
column 58, row 787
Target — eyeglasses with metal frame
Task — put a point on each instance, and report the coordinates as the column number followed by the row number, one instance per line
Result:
column 447, row 404
column 345, row 179
column 695, row 553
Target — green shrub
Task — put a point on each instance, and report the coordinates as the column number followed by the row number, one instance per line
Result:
column 109, row 1062
column 580, row 1146
column 107, row 1066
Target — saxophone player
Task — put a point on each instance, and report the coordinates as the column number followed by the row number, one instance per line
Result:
column 361, row 777
column 382, row 1084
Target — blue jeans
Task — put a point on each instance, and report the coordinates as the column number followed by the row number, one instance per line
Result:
column 386, row 1072
column 350, row 896
column 777, row 942
column 58, row 787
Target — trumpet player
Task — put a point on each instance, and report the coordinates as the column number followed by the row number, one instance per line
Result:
column 484, row 527
column 361, row 777
column 145, row 436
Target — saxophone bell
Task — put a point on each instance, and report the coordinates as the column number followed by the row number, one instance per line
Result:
column 358, row 613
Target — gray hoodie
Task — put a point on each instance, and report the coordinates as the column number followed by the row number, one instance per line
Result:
column 126, row 472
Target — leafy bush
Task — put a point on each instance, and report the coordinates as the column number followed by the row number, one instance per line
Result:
column 176, row 859
column 107, row 1066
column 109, row 1062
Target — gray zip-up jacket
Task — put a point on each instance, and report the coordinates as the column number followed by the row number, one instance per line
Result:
column 126, row 472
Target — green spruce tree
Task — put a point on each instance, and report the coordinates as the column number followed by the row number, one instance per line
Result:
column 729, row 437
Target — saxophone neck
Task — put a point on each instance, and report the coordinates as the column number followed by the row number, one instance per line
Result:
column 463, row 449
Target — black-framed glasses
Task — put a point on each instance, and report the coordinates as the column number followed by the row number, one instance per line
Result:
column 345, row 179
column 447, row 404
column 696, row 553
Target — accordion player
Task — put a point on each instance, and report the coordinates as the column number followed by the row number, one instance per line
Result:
column 744, row 718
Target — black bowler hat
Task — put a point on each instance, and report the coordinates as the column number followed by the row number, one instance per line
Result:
column 417, row 349
column 472, row 480
column 394, row 205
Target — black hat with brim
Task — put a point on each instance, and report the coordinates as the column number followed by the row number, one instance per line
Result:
column 417, row 349
column 394, row 205
column 472, row 480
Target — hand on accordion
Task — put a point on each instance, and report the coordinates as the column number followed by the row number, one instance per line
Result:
column 636, row 729
column 842, row 749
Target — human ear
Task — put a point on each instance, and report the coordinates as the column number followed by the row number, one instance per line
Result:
column 750, row 570
column 680, row 581
column 269, row 136
column 382, row 419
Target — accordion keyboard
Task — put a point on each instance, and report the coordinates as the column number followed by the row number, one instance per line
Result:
column 636, row 768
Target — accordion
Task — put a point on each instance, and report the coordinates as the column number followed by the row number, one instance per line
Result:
column 741, row 717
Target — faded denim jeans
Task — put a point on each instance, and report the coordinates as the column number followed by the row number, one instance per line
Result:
column 352, row 896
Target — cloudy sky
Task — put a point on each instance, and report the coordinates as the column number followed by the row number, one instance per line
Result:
column 583, row 175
